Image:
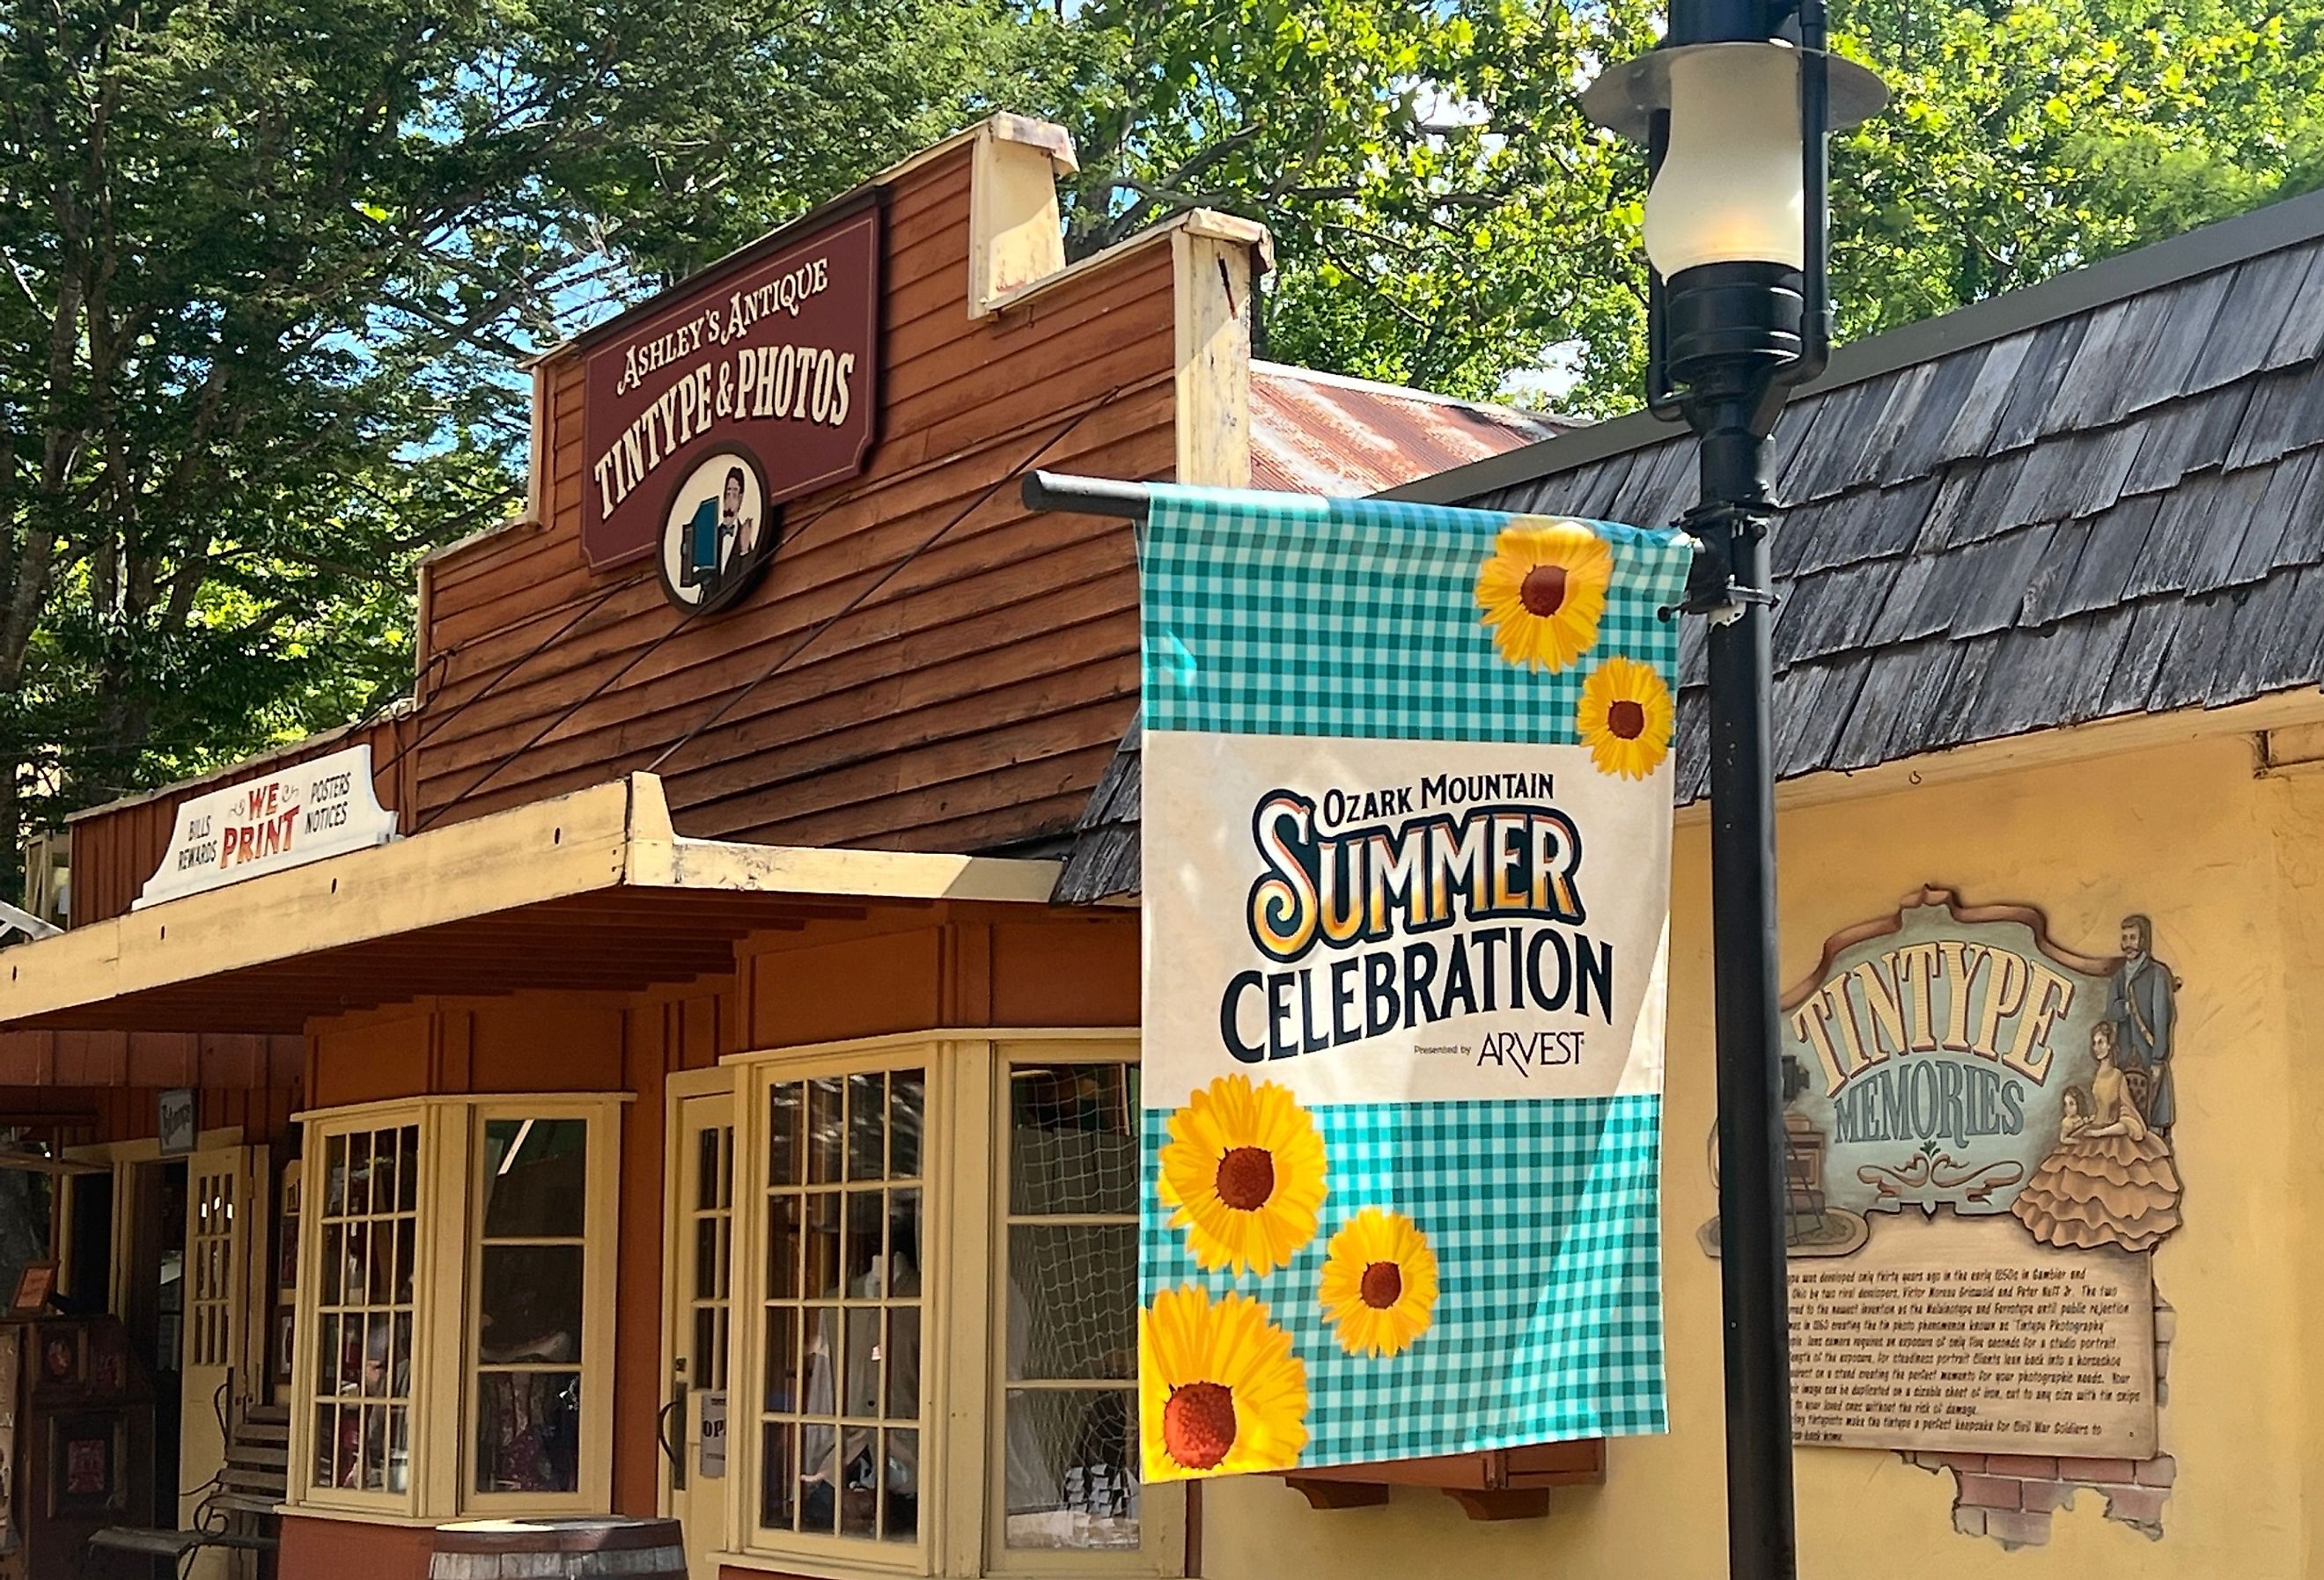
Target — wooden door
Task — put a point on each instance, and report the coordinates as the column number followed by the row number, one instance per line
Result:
column 219, row 1372
column 699, row 1275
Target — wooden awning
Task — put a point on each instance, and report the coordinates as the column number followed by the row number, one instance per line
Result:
column 590, row 892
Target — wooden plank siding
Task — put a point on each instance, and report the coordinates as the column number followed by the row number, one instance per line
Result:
column 116, row 848
column 937, row 669
column 964, row 703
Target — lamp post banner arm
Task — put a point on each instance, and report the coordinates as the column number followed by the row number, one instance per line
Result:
column 1407, row 826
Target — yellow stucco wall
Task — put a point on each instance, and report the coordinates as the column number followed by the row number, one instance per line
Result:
column 2231, row 867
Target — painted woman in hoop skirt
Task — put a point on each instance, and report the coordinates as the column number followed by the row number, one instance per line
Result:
column 2110, row 1181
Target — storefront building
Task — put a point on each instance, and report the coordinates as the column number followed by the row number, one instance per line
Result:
column 648, row 1074
column 719, row 1101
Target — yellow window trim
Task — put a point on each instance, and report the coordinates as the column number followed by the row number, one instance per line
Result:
column 444, row 1295
column 963, row 1323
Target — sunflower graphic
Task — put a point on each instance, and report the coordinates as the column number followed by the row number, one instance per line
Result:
column 1244, row 1167
column 1624, row 717
column 1379, row 1283
column 1220, row 1392
column 1543, row 589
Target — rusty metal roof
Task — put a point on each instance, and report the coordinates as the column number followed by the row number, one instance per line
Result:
column 1326, row 433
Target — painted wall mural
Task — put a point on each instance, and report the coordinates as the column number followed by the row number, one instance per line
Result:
column 1979, row 1170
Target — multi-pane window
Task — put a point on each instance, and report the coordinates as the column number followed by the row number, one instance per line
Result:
column 1069, row 1383
column 1004, row 1172
column 361, row 1424
column 525, row 1341
column 209, row 1262
column 710, row 1275
column 455, row 1308
column 840, row 1423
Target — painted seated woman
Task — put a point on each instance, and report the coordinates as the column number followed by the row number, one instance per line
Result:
column 2110, row 1181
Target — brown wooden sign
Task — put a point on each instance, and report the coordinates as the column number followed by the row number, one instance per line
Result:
column 768, row 372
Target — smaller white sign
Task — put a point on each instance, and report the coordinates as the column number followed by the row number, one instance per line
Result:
column 319, row 809
column 713, row 1457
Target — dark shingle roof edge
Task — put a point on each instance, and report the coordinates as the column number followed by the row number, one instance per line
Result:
column 2226, row 242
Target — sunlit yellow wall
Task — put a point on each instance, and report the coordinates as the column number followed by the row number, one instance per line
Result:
column 2231, row 867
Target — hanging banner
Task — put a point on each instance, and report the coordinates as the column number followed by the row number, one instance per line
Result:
column 1407, row 830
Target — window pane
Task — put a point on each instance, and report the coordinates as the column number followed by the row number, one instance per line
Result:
column 375, row 1362
column 823, row 1271
column 863, row 1360
column 908, row 1102
column 536, row 1177
column 528, row 1304
column 1073, row 1302
column 703, row 1361
column 867, row 1126
column 1072, row 1477
column 528, row 1432
column 786, row 1109
column 383, row 1171
column 783, row 1247
column 403, row 1255
column 334, row 1175
column 705, row 1257
column 358, row 1174
column 384, row 1238
column 779, row 1477
column 859, row 1503
column 325, row 1470
column 706, row 1169
column 1074, row 1140
column 900, row 1499
column 818, row 1496
column 904, row 1243
column 374, row 1449
column 867, row 1276
column 903, row 1360
column 335, row 1252
column 399, row 1449
column 407, row 1169
column 399, row 1357
column 784, row 1392
column 826, row 1131
column 326, row 1356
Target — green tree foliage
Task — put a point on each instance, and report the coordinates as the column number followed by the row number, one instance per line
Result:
column 1443, row 217
column 269, row 267
column 2023, row 139
column 1441, row 211
column 270, row 264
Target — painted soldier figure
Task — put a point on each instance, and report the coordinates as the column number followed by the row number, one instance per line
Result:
column 2141, row 1002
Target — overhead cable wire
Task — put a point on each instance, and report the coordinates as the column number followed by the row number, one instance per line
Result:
column 736, row 699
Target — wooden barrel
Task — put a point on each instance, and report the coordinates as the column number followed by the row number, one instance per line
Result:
column 559, row 1549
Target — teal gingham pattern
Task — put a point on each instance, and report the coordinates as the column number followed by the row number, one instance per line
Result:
column 1296, row 616
column 1291, row 614
column 1548, row 1320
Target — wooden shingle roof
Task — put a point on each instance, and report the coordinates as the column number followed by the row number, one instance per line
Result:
column 2100, row 497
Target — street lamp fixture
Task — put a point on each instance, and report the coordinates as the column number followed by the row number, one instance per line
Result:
column 1734, row 107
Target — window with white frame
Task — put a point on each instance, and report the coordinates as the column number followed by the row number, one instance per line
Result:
column 941, row 1240
column 455, row 1341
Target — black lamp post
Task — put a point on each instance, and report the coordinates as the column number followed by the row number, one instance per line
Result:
column 1734, row 107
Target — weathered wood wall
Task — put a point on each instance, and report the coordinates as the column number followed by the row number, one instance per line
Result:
column 968, row 703
column 115, row 850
